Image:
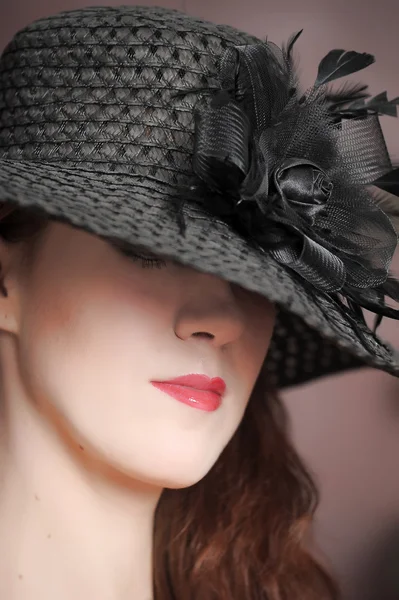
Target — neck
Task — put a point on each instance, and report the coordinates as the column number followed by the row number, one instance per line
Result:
column 65, row 531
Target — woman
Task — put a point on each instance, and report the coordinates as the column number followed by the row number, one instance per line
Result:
column 139, row 137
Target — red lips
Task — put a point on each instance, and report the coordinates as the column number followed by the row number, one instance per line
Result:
column 198, row 391
column 200, row 382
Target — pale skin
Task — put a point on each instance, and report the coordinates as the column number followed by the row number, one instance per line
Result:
column 87, row 443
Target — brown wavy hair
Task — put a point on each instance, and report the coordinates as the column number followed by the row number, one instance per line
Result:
column 241, row 533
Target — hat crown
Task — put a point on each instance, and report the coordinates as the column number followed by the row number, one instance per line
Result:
column 96, row 89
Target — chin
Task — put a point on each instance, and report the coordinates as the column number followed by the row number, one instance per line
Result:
column 187, row 473
column 166, row 465
column 179, row 483
column 182, row 476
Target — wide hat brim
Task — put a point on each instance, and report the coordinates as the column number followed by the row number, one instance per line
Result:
column 93, row 132
column 313, row 336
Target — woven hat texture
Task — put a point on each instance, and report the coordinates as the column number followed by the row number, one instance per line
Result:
column 93, row 132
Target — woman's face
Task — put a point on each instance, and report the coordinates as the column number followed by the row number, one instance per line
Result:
column 95, row 328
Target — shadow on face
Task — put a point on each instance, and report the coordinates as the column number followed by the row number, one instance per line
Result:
column 94, row 324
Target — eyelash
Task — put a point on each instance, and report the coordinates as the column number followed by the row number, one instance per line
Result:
column 146, row 262
column 150, row 263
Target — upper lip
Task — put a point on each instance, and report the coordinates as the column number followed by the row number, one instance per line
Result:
column 200, row 382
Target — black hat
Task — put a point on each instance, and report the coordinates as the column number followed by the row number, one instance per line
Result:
column 194, row 140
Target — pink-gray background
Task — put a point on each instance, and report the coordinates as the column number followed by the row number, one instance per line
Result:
column 347, row 427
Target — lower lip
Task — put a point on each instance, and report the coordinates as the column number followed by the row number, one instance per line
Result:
column 202, row 399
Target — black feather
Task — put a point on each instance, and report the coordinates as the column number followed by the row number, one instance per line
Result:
column 339, row 63
column 287, row 48
column 382, row 105
column 348, row 92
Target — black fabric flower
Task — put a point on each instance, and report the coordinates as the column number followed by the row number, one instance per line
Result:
column 292, row 172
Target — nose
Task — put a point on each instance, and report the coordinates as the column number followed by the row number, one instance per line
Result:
column 210, row 311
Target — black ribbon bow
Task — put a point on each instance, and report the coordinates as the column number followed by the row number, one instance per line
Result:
column 292, row 171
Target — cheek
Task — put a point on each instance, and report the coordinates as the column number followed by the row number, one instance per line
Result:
column 259, row 332
column 83, row 356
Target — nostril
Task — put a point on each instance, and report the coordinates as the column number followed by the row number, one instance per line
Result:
column 203, row 334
